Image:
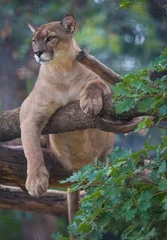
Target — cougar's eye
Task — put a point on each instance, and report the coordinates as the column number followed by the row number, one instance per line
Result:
column 50, row 38
column 34, row 41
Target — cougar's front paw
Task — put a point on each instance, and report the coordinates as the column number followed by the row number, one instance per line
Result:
column 91, row 102
column 37, row 181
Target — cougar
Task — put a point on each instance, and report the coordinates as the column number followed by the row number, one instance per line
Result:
column 61, row 80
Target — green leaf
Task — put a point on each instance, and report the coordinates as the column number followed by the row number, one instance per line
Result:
column 58, row 236
column 154, row 175
column 164, row 203
column 120, row 90
column 151, row 234
column 145, row 206
column 163, row 216
column 164, row 52
column 84, row 228
column 104, row 219
column 130, row 214
column 162, row 167
column 162, row 185
column 163, row 110
column 124, row 105
column 146, row 104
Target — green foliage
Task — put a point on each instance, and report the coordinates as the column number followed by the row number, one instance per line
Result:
column 127, row 194
column 120, row 199
column 59, row 236
column 125, row 3
column 137, row 91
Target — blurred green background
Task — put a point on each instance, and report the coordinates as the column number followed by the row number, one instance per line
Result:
column 123, row 39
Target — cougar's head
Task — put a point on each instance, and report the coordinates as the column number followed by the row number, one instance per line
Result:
column 53, row 39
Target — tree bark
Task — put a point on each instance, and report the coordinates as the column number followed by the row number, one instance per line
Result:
column 13, row 167
column 98, row 67
column 53, row 202
column 73, row 204
column 71, row 118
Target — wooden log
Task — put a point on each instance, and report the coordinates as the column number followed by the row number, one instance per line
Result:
column 13, row 173
column 53, row 202
column 71, row 118
column 13, row 167
column 98, row 67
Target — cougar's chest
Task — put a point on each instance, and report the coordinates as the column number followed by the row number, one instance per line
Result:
column 68, row 89
column 65, row 93
column 63, row 86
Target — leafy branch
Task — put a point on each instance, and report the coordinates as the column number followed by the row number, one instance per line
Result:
column 128, row 195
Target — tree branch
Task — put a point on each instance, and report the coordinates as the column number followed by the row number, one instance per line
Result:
column 154, row 74
column 53, row 202
column 13, row 172
column 98, row 67
column 13, row 167
column 70, row 118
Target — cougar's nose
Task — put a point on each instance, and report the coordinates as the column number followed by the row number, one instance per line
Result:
column 38, row 53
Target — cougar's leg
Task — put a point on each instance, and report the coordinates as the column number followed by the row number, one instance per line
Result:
column 91, row 98
column 32, row 123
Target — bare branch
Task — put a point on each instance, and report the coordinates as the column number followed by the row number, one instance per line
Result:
column 53, row 202
column 98, row 67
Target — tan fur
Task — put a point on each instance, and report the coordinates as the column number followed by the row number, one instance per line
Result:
column 61, row 80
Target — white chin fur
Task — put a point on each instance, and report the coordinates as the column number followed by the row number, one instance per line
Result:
column 44, row 62
column 40, row 60
column 37, row 58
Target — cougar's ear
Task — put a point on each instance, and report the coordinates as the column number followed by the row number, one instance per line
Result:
column 69, row 22
column 32, row 27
